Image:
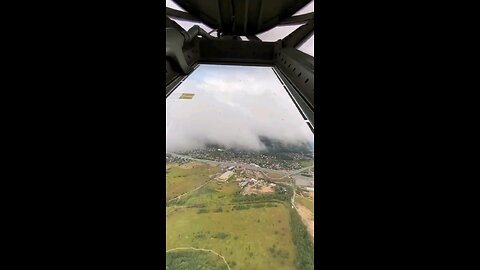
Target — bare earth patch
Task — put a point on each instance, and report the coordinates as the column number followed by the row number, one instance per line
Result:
column 266, row 189
column 274, row 175
column 306, row 216
column 253, row 174
column 189, row 165
column 257, row 189
column 169, row 165
column 308, row 195
column 248, row 190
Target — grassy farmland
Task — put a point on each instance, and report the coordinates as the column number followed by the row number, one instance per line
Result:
column 181, row 180
column 194, row 259
column 306, row 162
column 211, row 194
column 250, row 232
column 254, row 238
column 305, row 202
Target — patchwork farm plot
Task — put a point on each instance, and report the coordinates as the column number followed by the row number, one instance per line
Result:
column 186, row 177
column 258, row 231
column 178, row 259
column 306, row 202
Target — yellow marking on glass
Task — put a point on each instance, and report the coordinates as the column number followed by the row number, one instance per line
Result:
column 186, row 96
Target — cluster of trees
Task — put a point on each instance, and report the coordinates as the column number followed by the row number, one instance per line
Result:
column 207, row 234
column 187, row 260
column 282, row 193
column 303, row 242
column 240, row 207
column 198, row 205
column 220, row 235
column 202, row 210
column 200, row 235
column 248, row 206
column 278, row 252
column 260, row 205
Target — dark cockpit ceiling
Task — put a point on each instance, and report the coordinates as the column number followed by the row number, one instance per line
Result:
column 242, row 17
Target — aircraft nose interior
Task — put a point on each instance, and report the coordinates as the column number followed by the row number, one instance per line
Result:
column 242, row 17
column 238, row 25
column 239, row 134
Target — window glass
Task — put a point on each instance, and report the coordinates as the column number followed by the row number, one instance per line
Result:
column 171, row 4
column 184, row 23
column 238, row 108
column 306, row 9
column 188, row 24
column 308, row 46
column 239, row 173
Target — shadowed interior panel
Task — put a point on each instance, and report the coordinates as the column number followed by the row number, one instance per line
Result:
column 229, row 16
column 234, row 51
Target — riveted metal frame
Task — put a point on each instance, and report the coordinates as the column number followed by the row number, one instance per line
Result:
column 294, row 68
column 305, row 110
column 300, row 35
column 299, row 70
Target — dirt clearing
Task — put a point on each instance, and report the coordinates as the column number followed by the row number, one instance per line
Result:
column 190, row 165
column 306, row 216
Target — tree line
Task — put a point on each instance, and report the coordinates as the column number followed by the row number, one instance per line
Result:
column 188, row 259
column 303, row 242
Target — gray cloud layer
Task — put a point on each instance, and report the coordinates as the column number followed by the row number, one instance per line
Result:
column 233, row 106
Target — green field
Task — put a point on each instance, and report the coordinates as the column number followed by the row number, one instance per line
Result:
column 254, row 238
column 210, row 194
column 193, row 260
column 180, row 180
column 306, row 162
column 251, row 232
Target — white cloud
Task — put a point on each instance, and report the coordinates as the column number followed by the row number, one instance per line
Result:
column 233, row 106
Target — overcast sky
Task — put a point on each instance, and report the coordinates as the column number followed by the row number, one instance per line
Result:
column 233, row 106
column 273, row 34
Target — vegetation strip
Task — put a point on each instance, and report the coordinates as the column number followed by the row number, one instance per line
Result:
column 303, row 242
column 201, row 249
column 178, row 197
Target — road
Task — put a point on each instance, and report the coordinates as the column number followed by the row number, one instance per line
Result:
column 299, row 170
column 253, row 168
column 246, row 166
column 188, row 192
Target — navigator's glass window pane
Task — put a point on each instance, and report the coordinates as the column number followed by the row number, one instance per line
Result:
column 186, row 25
column 239, row 173
column 235, row 107
column 308, row 8
column 171, row 4
column 308, row 46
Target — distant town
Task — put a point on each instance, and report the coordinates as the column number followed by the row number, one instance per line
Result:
column 265, row 159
